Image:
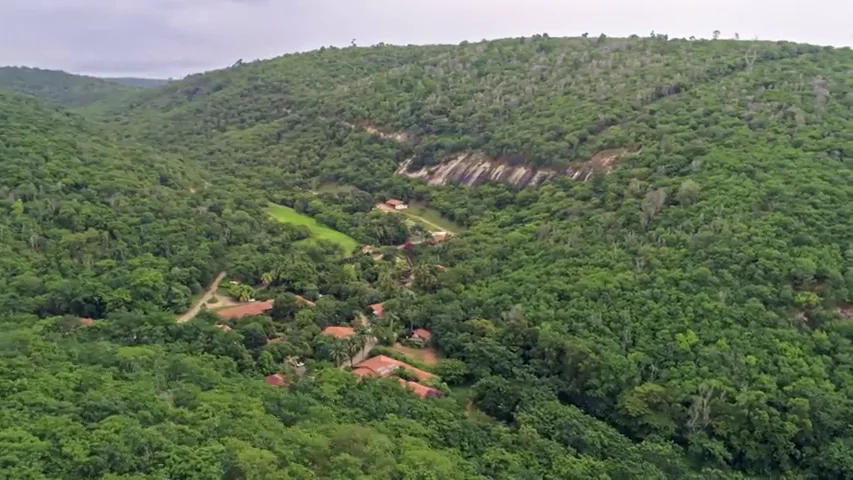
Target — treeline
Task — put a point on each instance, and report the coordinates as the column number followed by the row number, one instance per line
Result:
column 140, row 396
column 89, row 225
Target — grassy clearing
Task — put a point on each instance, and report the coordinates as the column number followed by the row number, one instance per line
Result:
column 427, row 356
column 431, row 218
column 319, row 231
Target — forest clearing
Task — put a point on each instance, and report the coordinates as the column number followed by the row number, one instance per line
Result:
column 426, row 355
column 318, row 230
column 429, row 218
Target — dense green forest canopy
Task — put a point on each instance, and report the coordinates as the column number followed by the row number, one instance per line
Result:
column 65, row 88
column 684, row 315
column 138, row 82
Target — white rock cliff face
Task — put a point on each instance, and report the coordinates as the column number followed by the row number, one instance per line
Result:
column 475, row 168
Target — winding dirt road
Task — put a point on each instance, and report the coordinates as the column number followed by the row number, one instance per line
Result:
column 211, row 290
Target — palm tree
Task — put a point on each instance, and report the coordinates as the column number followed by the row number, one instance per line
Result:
column 360, row 339
column 267, row 278
column 353, row 349
column 338, row 351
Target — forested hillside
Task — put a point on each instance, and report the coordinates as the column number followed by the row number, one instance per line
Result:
column 60, row 87
column 91, row 226
column 682, row 309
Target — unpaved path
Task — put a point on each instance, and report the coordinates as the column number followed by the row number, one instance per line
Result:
column 211, row 290
column 436, row 228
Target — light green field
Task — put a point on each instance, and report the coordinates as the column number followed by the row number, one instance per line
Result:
column 431, row 218
column 319, row 231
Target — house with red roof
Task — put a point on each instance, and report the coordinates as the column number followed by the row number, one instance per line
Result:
column 248, row 310
column 276, row 380
column 339, row 332
column 378, row 309
column 421, row 391
column 396, row 204
column 383, row 366
column 421, row 335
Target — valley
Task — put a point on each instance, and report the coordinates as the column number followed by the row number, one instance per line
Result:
column 533, row 257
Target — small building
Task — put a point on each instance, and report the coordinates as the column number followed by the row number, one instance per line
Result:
column 421, row 391
column 396, row 204
column 250, row 310
column 383, row 366
column 378, row 310
column 87, row 321
column 421, row 335
column 439, row 237
column 223, row 327
column 367, row 249
column 339, row 332
column 276, row 380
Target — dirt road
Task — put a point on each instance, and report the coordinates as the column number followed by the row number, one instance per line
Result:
column 211, row 290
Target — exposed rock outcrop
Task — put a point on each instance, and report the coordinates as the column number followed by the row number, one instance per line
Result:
column 475, row 168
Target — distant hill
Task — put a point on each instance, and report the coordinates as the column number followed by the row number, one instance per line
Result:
column 138, row 82
column 697, row 298
column 61, row 87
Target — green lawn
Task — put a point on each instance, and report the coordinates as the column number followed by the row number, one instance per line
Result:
column 431, row 218
column 318, row 230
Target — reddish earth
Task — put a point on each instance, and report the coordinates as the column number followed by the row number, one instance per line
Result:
column 427, row 356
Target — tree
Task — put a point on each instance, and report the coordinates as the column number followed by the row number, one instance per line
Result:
column 716, row 34
column 339, row 351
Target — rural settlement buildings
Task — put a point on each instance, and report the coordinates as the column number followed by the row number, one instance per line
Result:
column 396, row 204
column 255, row 308
column 384, row 367
column 339, row 332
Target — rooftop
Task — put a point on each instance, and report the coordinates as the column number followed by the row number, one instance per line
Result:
column 378, row 309
column 339, row 332
column 247, row 310
column 276, row 380
column 422, row 333
column 383, row 366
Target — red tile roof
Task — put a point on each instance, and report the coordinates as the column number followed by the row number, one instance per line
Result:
column 394, row 202
column 364, row 372
column 421, row 390
column 247, row 310
column 384, row 366
column 276, row 380
column 87, row 321
column 423, row 334
column 339, row 332
column 378, row 309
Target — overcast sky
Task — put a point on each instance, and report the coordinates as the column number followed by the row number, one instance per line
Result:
column 172, row 38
